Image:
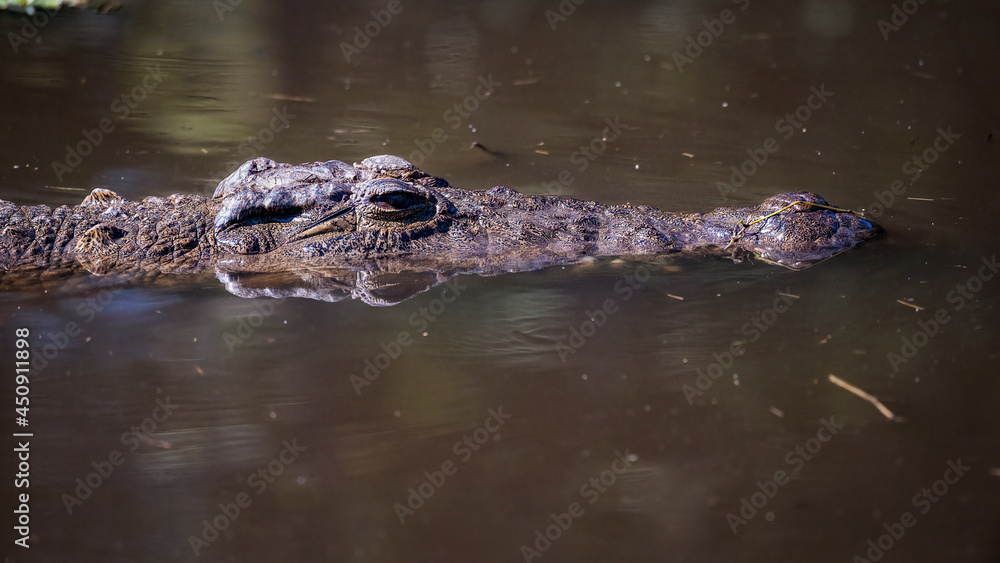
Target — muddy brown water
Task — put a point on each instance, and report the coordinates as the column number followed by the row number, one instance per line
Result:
column 659, row 410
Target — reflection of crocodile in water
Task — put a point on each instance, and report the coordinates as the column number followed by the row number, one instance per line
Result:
column 302, row 230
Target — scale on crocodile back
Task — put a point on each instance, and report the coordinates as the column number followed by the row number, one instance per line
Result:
column 383, row 230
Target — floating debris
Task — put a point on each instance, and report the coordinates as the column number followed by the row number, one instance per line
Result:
column 287, row 97
column 526, row 81
column 677, row 297
column 777, row 412
column 482, row 147
column 917, row 307
column 866, row 396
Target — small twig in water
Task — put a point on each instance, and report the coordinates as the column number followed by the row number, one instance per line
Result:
column 866, row 396
column 917, row 307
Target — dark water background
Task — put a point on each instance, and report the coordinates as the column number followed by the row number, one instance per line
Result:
column 212, row 85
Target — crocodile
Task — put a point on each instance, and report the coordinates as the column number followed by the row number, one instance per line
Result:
column 308, row 229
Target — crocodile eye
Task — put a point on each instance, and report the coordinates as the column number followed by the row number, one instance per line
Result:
column 398, row 205
column 397, row 200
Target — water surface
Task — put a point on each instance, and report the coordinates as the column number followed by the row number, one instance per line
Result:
column 293, row 429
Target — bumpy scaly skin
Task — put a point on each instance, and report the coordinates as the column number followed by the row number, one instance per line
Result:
column 385, row 215
column 106, row 233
